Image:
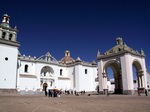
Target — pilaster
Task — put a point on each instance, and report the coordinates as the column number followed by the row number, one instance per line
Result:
column 127, row 76
column 100, row 73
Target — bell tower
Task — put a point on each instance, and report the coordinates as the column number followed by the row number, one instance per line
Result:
column 9, row 54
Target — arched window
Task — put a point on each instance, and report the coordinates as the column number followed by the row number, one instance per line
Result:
column 3, row 35
column 60, row 71
column 10, row 37
column 26, row 68
column 85, row 71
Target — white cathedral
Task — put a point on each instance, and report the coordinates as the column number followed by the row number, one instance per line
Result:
column 25, row 73
column 30, row 74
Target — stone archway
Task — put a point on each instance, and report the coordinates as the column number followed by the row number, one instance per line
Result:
column 116, row 68
column 139, row 74
column 121, row 58
column 47, row 71
column 47, row 77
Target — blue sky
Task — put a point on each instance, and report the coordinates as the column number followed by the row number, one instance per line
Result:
column 81, row 26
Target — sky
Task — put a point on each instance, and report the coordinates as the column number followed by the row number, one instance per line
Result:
column 81, row 26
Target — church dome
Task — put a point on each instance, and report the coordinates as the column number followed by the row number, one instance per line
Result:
column 67, row 59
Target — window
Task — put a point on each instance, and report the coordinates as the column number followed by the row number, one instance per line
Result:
column 26, row 68
column 44, row 73
column 6, row 58
column 134, row 81
column 3, row 35
column 119, row 49
column 60, row 71
column 85, row 71
column 10, row 36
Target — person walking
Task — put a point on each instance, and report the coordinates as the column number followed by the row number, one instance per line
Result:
column 146, row 92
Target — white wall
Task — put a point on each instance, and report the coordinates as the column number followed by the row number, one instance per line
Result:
column 85, row 81
column 31, row 67
column 8, row 69
column 78, row 71
column 148, row 81
column 64, row 84
column 71, row 75
column 28, row 84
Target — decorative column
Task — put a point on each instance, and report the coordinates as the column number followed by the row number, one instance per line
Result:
column 104, row 80
column 100, row 76
column 141, row 81
column 140, row 78
column 7, row 35
column 138, row 81
column 105, row 89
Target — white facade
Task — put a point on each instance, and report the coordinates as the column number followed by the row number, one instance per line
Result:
column 148, row 80
column 26, row 73
column 8, row 71
column 34, row 72
column 8, row 55
column 31, row 74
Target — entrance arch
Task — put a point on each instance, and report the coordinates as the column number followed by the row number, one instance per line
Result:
column 47, row 77
column 121, row 59
column 47, row 71
column 139, row 75
column 117, row 77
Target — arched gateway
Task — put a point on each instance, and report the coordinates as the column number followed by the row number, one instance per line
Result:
column 47, row 78
column 121, row 59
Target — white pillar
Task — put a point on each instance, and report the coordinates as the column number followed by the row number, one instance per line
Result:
column 127, row 76
column 104, row 81
column 14, row 37
column 141, row 81
column 138, row 81
column 100, row 75
column 144, row 77
column 7, row 35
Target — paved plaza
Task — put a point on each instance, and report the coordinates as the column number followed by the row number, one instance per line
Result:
column 71, row 103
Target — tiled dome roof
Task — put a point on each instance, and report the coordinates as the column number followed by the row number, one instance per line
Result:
column 67, row 58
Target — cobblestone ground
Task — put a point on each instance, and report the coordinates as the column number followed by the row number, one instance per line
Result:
column 71, row 103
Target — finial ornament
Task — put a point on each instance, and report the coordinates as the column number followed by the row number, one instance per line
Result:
column 142, row 52
column 125, row 44
column 78, row 59
column 136, row 51
column 93, row 62
column 98, row 53
column 15, row 27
